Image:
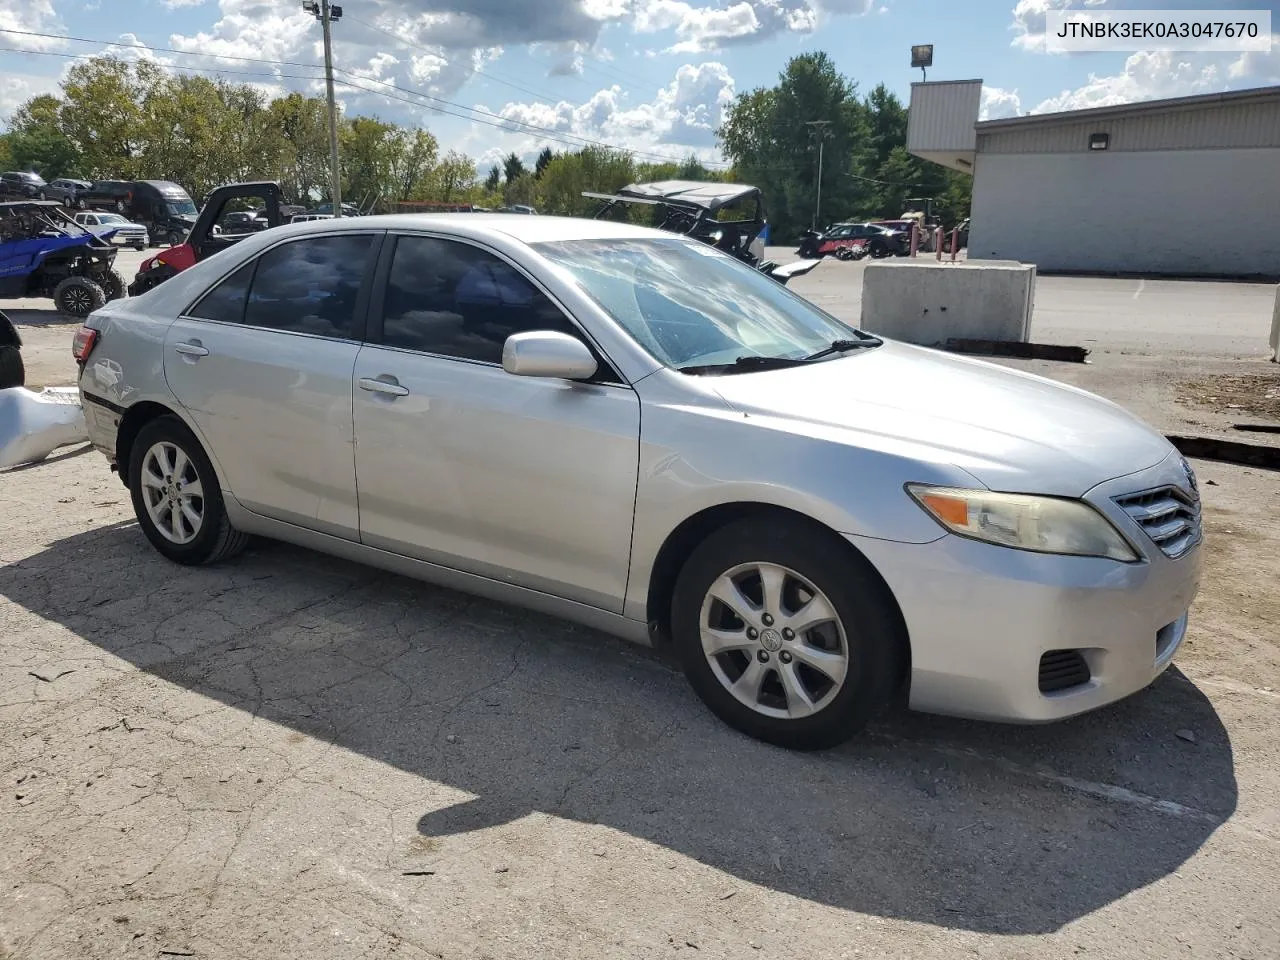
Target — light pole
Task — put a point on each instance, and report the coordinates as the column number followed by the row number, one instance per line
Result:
column 326, row 13
column 818, row 128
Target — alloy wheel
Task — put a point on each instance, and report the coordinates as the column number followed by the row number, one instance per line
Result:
column 77, row 301
column 773, row 640
column 172, row 492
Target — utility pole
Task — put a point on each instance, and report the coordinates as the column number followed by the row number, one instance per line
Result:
column 326, row 13
column 818, row 129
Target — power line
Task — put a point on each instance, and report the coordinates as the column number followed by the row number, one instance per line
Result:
column 506, row 123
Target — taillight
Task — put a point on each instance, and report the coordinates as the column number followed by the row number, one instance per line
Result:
column 85, row 340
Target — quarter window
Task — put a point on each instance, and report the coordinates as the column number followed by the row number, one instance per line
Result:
column 225, row 302
column 310, row 286
column 456, row 300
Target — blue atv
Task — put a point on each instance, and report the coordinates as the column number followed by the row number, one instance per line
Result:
column 44, row 253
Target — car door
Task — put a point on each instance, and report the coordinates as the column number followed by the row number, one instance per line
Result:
column 263, row 363
column 525, row 480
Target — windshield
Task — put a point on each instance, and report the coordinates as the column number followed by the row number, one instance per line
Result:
column 180, row 208
column 689, row 305
column 111, row 218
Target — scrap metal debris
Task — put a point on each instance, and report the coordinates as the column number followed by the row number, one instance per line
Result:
column 1015, row 348
column 1227, row 451
column 43, row 678
column 33, row 425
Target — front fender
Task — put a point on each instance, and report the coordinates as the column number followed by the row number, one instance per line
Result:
column 693, row 458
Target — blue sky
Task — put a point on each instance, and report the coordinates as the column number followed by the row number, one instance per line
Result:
column 648, row 75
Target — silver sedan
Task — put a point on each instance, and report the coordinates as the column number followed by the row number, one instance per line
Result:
column 635, row 431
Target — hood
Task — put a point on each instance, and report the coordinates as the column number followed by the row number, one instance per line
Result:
column 1013, row 431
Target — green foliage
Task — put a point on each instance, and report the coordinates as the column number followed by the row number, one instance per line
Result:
column 593, row 168
column 493, row 180
column 769, row 136
column 544, row 158
column 512, row 168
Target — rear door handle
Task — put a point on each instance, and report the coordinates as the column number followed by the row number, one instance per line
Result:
column 388, row 386
column 193, row 349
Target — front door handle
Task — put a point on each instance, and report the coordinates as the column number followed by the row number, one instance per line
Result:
column 192, row 349
column 387, row 386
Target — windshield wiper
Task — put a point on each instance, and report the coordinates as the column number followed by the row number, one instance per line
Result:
column 840, row 346
column 744, row 364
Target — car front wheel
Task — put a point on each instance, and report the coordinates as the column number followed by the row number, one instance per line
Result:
column 176, row 496
column 785, row 634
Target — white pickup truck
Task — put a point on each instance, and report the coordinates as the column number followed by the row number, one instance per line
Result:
column 126, row 232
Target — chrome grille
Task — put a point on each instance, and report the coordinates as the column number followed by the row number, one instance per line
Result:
column 1169, row 515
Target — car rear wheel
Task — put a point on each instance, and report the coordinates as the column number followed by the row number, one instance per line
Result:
column 784, row 634
column 78, row 297
column 176, row 496
column 879, row 249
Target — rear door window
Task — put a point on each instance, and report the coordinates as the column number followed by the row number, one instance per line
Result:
column 311, row 286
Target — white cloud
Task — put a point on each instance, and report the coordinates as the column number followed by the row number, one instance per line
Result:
column 177, row 4
column 1156, row 75
column 703, row 28
column 31, row 16
column 997, row 104
column 1029, row 22
column 681, row 118
column 18, row 88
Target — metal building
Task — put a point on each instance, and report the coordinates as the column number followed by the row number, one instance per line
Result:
column 1181, row 187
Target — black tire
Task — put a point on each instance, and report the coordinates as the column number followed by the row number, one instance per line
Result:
column 12, row 371
column 119, row 206
column 81, row 203
column 174, row 239
column 216, row 540
column 866, row 613
column 42, row 196
column 113, row 285
column 78, row 297
column 139, row 247
column 809, row 251
column 879, row 249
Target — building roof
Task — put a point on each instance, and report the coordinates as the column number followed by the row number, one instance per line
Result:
column 1146, row 107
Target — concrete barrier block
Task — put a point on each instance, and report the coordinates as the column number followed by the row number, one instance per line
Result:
column 928, row 303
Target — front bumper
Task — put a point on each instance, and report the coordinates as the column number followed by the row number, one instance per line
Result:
column 980, row 617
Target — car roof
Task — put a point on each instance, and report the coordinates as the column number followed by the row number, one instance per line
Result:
column 518, row 226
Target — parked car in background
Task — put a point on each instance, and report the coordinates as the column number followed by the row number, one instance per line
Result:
column 20, row 185
column 962, row 234
column 813, row 516
column 64, row 190
column 308, row 217
column 106, row 195
column 164, row 208
column 121, row 230
column 850, row 240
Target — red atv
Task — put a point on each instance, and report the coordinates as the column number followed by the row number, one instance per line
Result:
column 208, row 236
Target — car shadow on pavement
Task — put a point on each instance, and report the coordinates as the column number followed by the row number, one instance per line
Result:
column 29, row 317
column 974, row 826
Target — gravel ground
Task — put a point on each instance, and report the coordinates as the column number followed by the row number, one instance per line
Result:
column 294, row 756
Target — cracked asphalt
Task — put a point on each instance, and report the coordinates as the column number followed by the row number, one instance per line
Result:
column 292, row 756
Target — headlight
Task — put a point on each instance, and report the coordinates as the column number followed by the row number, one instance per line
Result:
column 1023, row 522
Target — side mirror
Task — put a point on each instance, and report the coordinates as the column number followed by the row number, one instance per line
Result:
column 546, row 353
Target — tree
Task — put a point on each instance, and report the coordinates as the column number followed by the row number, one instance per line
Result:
column 46, row 151
column 521, row 190
column 512, row 168
column 101, row 114
column 767, row 135
column 453, row 175
column 544, row 158
column 412, row 160
column 597, row 169
column 492, row 181
column 303, row 163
